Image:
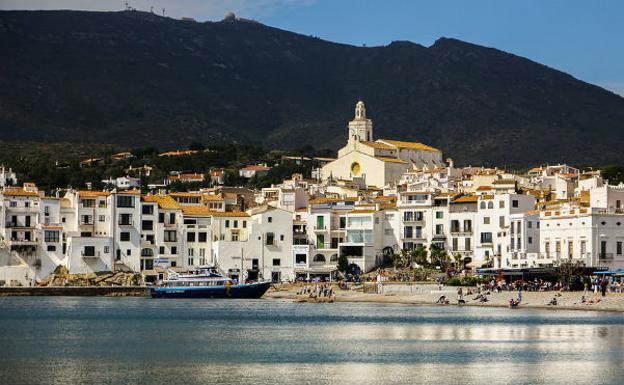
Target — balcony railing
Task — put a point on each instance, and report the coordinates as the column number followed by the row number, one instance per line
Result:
column 125, row 222
column 605, row 256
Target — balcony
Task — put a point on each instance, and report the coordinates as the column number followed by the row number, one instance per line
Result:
column 20, row 225
column 320, row 228
column 93, row 255
column 461, row 233
column 23, row 209
column 419, row 237
column 170, row 224
column 125, row 222
column 23, row 242
column 605, row 256
column 414, row 220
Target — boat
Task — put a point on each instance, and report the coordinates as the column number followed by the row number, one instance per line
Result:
column 206, row 282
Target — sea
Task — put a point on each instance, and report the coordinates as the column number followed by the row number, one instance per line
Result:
column 99, row 340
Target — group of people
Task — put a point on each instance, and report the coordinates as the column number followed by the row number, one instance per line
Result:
column 322, row 290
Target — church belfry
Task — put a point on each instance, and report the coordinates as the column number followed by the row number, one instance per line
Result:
column 360, row 128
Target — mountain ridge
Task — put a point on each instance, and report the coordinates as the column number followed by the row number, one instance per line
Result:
column 135, row 78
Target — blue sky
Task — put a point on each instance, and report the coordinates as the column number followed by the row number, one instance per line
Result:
column 583, row 38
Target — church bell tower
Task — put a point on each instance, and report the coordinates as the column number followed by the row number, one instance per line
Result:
column 360, row 128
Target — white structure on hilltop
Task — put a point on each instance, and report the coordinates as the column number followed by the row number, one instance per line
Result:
column 380, row 162
column 7, row 177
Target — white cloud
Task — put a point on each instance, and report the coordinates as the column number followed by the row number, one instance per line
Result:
column 198, row 9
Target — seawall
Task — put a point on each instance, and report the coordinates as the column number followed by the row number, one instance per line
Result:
column 76, row 291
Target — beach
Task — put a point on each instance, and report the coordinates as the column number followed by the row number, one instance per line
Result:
column 428, row 295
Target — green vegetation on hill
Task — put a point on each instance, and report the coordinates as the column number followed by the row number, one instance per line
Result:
column 53, row 166
column 136, row 79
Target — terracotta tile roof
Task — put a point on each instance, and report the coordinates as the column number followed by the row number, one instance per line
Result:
column 209, row 197
column 19, row 192
column 255, row 168
column 504, row 181
column 362, row 212
column 178, row 153
column 196, row 210
column 322, row 200
column 163, row 201
column 91, row 194
column 185, row 195
column 467, row 199
column 377, row 145
column 487, row 197
column 235, row 214
column 410, row 145
column 484, row 188
column 390, row 160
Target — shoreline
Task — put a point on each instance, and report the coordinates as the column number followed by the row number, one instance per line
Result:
column 74, row 291
column 612, row 302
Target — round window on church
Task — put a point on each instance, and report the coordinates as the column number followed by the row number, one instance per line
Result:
column 355, row 168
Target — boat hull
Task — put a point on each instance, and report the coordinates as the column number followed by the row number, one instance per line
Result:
column 252, row 290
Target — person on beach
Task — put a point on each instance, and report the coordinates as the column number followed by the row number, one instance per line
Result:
column 603, row 286
column 460, row 293
column 519, row 293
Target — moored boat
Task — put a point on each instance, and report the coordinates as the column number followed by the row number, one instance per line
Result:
column 207, row 283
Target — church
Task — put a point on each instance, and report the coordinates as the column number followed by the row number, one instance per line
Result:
column 377, row 162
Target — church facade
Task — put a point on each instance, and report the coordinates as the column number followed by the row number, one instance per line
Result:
column 377, row 162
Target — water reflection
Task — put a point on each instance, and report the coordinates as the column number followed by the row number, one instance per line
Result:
column 128, row 341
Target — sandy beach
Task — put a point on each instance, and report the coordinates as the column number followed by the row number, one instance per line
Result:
column 428, row 295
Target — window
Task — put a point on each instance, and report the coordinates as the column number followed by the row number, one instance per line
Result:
column 88, row 203
column 124, row 236
column 486, row 237
column 320, row 241
column 202, row 237
column 86, row 219
column 125, row 219
column 282, row 237
column 125, row 201
column 300, row 258
column 271, row 221
column 235, row 224
column 439, row 230
column 244, row 224
column 147, row 210
column 501, row 221
column 161, row 217
column 106, row 249
column 408, row 216
column 618, row 246
column 128, row 252
column 102, row 218
column 319, row 258
column 172, row 218
column 277, row 262
column 467, row 245
column 170, row 236
column 89, row 251
column 490, row 205
column 514, row 203
column 51, row 236
column 486, row 220
column 530, row 240
column 161, row 250
column 147, row 225
column 530, row 224
column 190, row 237
column 174, row 250
column 501, row 204
column 227, row 223
column 342, row 222
column 269, row 239
column 439, row 214
column 482, row 205
column 235, row 237
column 147, row 252
column 51, row 248
column 191, row 261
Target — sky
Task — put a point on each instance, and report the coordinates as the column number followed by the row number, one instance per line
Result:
column 582, row 38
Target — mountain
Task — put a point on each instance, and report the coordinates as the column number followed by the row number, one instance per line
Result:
column 136, row 79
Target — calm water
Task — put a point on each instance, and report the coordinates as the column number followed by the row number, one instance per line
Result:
column 64, row 340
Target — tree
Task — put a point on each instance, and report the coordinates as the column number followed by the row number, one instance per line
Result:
column 569, row 272
column 343, row 263
column 420, row 256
